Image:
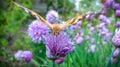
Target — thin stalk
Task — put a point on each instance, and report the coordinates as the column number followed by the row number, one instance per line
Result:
column 109, row 60
column 53, row 64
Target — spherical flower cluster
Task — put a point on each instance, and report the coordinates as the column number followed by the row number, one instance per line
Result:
column 92, row 48
column 116, row 38
column 104, row 11
column 115, row 55
column 57, row 47
column 52, row 16
column 118, row 13
column 102, row 18
column 26, row 55
column 108, row 3
column 37, row 30
column 117, row 25
column 79, row 40
column 92, row 29
column 116, row 6
column 89, row 17
column 18, row 55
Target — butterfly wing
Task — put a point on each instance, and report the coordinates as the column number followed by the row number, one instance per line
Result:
column 35, row 14
column 73, row 21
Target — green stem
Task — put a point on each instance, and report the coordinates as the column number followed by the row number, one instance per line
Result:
column 53, row 64
column 109, row 60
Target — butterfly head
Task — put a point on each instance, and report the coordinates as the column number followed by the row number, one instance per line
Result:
column 56, row 29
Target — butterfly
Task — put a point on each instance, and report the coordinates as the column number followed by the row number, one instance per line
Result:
column 56, row 28
column 103, row 1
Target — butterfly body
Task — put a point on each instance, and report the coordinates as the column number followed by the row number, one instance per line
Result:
column 56, row 28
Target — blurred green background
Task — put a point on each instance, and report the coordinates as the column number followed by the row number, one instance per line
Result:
column 13, row 33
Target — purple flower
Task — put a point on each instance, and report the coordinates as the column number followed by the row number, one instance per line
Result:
column 73, row 27
column 87, row 37
column 18, row 55
column 92, row 40
column 116, row 6
column 101, row 25
column 116, row 53
column 118, row 25
column 27, row 55
column 104, row 11
column 116, row 38
column 102, row 18
column 52, row 16
column 91, row 30
column 90, row 17
column 79, row 40
column 114, row 60
column 117, row 13
column 60, row 60
column 108, row 3
column 92, row 48
column 79, row 23
column 37, row 30
column 58, row 46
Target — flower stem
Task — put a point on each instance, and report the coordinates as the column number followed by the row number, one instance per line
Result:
column 109, row 59
column 53, row 64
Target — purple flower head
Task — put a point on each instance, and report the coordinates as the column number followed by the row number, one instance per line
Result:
column 73, row 27
column 102, row 18
column 92, row 40
column 117, row 13
column 116, row 38
column 79, row 23
column 116, row 53
column 37, row 30
column 89, row 25
column 117, row 25
column 107, row 22
column 101, row 25
column 79, row 40
column 87, row 37
column 89, row 17
column 114, row 60
column 18, row 55
column 92, row 48
column 116, row 6
column 52, row 16
column 27, row 55
column 104, row 11
column 108, row 3
column 60, row 60
column 108, row 35
column 91, row 30
column 58, row 46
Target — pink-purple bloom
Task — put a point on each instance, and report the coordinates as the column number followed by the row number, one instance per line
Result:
column 92, row 48
column 52, row 16
column 18, row 55
column 116, row 53
column 116, row 6
column 108, row 3
column 58, row 47
column 79, row 40
column 27, row 55
column 117, row 13
column 116, row 38
column 102, row 18
column 117, row 25
column 37, row 30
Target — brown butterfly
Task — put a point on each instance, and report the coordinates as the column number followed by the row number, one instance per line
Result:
column 56, row 28
column 102, row 1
